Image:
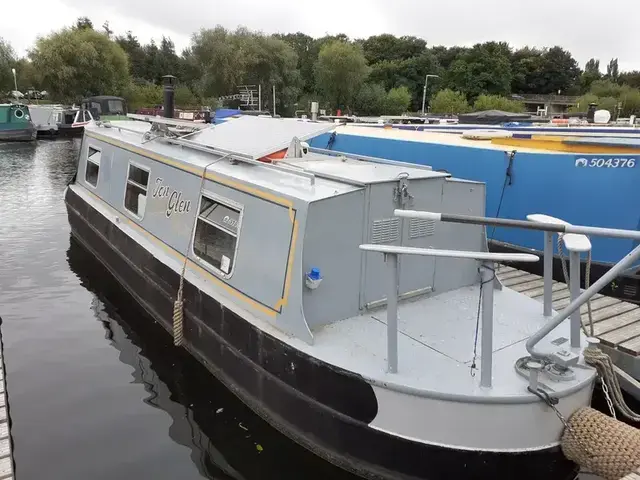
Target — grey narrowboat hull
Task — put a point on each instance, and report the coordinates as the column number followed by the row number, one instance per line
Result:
column 18, row 135
column 323, row 408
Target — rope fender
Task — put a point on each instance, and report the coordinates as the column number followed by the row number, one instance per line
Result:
column 604, row 445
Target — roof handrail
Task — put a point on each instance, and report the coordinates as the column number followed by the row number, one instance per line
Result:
column 434, row 252
column 506, row 222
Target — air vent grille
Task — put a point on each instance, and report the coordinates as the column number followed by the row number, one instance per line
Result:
column 385, row 231
column 420, row 227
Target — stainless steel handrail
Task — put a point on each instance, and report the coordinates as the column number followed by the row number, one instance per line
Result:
column 550, row 225
column 391, row 253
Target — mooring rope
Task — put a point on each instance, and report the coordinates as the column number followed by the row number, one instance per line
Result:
column 178, row 305
column 606, row 369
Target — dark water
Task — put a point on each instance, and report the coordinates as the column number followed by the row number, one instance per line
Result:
column 96, row 389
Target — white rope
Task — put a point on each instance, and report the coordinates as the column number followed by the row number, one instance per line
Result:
column 606, row 369
column 178, row 305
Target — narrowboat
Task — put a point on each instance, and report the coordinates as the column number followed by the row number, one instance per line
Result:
column 15, row 123
column 106, row 107
column 350, row 329
column 582, row 179
column 46, row 118
column 73, row 122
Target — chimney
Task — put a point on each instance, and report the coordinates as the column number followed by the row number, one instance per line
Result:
column 169, row 95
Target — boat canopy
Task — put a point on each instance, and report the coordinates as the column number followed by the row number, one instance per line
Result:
column 493, row 117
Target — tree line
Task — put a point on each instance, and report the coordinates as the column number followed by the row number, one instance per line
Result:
column 382, row 74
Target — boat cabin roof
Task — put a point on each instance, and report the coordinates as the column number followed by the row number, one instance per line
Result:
column 334, row 175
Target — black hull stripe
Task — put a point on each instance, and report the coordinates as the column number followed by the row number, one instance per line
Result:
column 319, row 406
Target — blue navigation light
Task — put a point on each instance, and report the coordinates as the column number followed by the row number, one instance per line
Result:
column 314, row 274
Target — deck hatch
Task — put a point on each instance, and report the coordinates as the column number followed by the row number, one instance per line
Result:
column 385, row 230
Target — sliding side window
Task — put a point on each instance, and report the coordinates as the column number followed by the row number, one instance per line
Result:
column 216, row 235
column 135, row 197
column 93, row 166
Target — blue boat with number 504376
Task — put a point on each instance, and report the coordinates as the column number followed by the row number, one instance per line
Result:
column 581, row 179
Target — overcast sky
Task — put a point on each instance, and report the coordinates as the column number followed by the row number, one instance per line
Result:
column 573, row 25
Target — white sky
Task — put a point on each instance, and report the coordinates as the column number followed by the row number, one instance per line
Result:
column 570, row 24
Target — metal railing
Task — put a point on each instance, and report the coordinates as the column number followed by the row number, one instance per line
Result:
column 575, row 240
column 487, row 272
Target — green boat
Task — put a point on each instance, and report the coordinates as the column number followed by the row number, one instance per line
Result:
column 15, row 123
column 106, row 107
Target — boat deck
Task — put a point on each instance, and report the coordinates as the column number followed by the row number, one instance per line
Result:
column 615, row 322
column 436, row 344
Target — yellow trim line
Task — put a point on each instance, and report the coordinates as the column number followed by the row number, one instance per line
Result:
column 197, row 171
column 230, row 183
column 555, row 144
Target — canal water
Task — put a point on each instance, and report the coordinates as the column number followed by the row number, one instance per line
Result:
column 96, row 389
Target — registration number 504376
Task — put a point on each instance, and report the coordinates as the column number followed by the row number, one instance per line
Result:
column 622, row 162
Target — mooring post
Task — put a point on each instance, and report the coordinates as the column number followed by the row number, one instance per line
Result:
column 487, row 275
column 392, row 313
column 548, row 273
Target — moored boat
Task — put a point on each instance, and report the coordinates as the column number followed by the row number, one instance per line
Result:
column 15, row 123
column 282, row 291
column 46, row 118
column 106, row 107
column 73, row 121
column 586, row 180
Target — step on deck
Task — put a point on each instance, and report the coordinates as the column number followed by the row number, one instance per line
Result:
column 615, row 322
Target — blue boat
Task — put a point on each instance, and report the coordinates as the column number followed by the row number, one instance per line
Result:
column 585, row 180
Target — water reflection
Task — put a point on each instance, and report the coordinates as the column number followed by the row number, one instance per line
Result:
column 226, row 439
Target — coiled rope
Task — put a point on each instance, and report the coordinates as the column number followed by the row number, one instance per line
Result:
column 178, row 305
column 607, row 371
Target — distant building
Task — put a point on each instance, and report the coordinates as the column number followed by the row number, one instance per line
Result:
column 546, row 105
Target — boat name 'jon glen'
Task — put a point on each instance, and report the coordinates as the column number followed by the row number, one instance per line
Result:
column 175, row 203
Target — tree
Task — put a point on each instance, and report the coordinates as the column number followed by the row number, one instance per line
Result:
column 7, row 61
column 449, row 102
column 630, row 78
column 591, row 74
column 214, row 64
column 370, row 100
column 560, row 70
column 605, row 88
column 130, row 44
column 397, row 101
column 107, row 31
column 496, row 102
column 340, row 71
column 388, row 47
column 527, row 65
column 612, row 70
column 306, row 49
column 77, row 62
column 83, row 23
column 485, row 68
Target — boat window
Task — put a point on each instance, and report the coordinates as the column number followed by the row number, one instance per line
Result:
column 216, row 235
column 86, row 116
column 135, row 197
column 93, row 166
column 115, row 106
column 96, row 106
